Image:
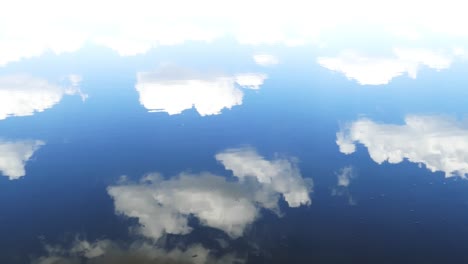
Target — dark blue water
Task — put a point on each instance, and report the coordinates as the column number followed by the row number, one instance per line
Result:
column 389, row 213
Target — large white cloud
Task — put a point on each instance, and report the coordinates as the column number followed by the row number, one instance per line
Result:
column 164, row 206
column 137, row 26
column 110, row 252
column 440, row 143
column 24, row 95
column 381, row 70
column 15, row 154
column 174, row 90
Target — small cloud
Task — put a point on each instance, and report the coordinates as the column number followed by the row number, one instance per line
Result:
column 173, row 90
column 15, row 154
column 75, row 79
column 368, row 70
column 344, row 178
column 265, row 60
column 250, row 80
column 440, row 143
column 24, row 95
column 346, row 146
column 282, row 175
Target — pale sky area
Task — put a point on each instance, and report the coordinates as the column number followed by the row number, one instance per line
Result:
column 135, row 27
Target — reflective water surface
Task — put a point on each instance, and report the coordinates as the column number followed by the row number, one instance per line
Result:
column 188, row 143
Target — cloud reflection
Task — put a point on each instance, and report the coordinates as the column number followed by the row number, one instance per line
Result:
column 164, row 205
column 173, row 90
column 440, row 143
column 15, row 154
column 135, row 27
column 24, row 95
column 265, row 59
column 110, row 252
column 344, row 177
column 281, row 175
column 368, row 70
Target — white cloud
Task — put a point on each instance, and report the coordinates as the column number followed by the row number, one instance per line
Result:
column 75, row 79
column 344, row 177
column 134, row 39
column 214, row 201
column 109, row 252
column 265, row 59
column 163, row 206
column 381, row 70
column 250, row 80
column 281, row 175
column 23, row 95
column 15, row 154
column 135, row 27
column 346, row 145
column 439, row 143
column 174, row 90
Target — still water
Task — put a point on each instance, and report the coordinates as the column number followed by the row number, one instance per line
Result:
column 223, row 152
